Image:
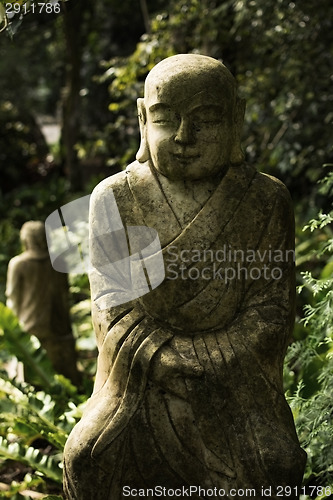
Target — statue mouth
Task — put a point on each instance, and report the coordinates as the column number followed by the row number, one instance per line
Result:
column 183, row 158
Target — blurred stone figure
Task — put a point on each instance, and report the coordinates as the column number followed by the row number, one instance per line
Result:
column 39, row 297
column 189, row 388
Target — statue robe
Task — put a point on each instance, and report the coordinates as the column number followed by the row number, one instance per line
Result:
column 228, row 426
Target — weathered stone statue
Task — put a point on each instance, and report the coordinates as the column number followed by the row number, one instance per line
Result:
column 39, row 297
column 188, row 390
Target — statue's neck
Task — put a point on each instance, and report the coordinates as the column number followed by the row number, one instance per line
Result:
column 36, row 253
column 187, row 197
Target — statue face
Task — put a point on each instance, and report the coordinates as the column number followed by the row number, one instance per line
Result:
column 188, row 128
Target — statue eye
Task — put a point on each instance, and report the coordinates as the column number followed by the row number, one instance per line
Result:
column 206, row 117
column 203, row 123
column 161, row 120
column 164, row 116
column 167, row 119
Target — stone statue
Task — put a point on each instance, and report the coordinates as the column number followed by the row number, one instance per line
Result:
column 188, row 391
column 39, row 297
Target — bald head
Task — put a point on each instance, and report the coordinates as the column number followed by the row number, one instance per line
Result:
column 33, row 236
column 183, row 76
column 190, row 117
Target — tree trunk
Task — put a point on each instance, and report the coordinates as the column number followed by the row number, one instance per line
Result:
column 145, row 15
column 73, row 20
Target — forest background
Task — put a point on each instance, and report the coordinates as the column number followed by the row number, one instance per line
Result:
column 68, row 88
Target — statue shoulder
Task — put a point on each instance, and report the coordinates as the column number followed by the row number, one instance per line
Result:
column 275, row 200
column 115, row 182
column 18, row 262
column 119, row 183
column 113, row 187
column 273, row 189
column 113, row 195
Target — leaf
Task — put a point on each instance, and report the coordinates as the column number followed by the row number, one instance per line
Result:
column 23, row 347
column 322, row 221
column 47, row 465
column 31, row 414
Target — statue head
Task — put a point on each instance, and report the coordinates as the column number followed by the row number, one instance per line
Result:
column 190, row 118
column 33, row 236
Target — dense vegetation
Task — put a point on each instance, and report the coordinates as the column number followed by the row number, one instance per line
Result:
column 86, row 67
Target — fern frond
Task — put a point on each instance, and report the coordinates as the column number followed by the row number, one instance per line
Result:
column 20, row 344
column 47, row 465
column 322, row 221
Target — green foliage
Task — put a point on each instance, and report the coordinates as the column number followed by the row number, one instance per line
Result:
column 286, row 85
column 34, row 423
column 309, row 362
column 25, row 347
column 312, row 363
column 82, row 327
column 34, row 426
column 23, row 148
column 284, row 79
column 19, row 490
column 45, row 464
column 32, row 414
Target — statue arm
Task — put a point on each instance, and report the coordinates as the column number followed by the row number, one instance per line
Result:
column 261, row 328
column 273, row 297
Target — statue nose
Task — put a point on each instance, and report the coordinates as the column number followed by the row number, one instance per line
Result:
column 185, row 132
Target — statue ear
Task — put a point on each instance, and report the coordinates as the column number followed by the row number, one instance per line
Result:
column 143, row 154
column 236, row 154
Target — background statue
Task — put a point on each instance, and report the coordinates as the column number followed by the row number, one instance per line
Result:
column 39, row 297
column 189, row 387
